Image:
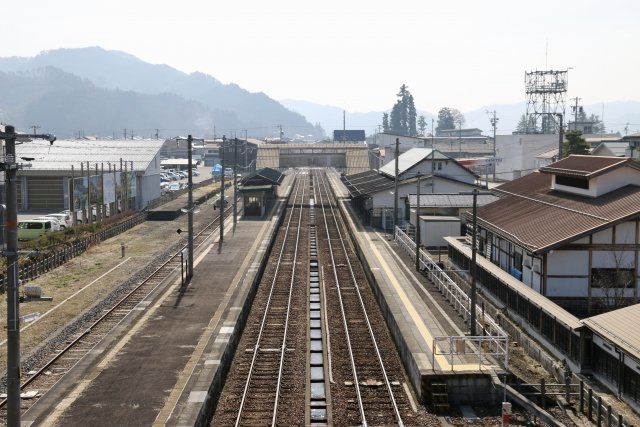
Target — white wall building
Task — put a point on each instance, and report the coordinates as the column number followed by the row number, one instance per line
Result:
column 570, row 232
column 516, row 154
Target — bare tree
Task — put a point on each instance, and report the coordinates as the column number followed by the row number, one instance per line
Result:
column 613, row 282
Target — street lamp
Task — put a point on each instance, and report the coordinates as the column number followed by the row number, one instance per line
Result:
column 10, row 167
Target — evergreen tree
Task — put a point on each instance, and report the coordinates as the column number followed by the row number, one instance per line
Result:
column 523, row 128
column 597, row 124
column 575, row 144
column 402, row 119
column 395, row 122
column 449, row 118
column 411, row 116
column 385, row 122
column 422, row 125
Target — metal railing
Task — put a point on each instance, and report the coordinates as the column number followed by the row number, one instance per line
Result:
column 494, row 340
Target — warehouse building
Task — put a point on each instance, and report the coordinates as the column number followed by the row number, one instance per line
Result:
column 114, row 174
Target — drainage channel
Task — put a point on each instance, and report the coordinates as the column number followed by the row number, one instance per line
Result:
column 319, row 413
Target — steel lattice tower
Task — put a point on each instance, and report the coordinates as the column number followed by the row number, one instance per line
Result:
column 546, row 93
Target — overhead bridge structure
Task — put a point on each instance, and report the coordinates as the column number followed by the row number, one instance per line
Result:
column 349, row 158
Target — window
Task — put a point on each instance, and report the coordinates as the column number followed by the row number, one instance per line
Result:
column 612, row 278
column 571, row 181
column 517, row 260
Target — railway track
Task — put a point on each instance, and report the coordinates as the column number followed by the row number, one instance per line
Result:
column 372, row 390
column 330, row 329
column 93, row 327
column 263, row 388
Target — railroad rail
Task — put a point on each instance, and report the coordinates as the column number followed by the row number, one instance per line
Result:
column 263, row 386
column 265, row 372
column 93, row 329
column 374, row 394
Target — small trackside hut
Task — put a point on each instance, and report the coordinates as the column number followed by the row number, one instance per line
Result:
column 259, row 191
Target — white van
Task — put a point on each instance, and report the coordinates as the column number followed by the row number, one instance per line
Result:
column 228, row 172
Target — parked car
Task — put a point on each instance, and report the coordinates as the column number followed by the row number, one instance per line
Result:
column 63, row 218
column 56, row 225
column 32, row 229
column 195, row 172
column 175, row 186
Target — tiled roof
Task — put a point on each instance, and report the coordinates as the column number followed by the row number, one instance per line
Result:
column 619, row 327
column 541, row 219
column 587, row 166
column 367, row 183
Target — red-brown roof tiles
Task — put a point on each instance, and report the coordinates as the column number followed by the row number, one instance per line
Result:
column 541, row 219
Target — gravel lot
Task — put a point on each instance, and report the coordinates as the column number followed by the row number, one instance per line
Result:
column 87, row 279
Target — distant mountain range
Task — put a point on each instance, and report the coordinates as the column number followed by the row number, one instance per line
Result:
column 616, row 116
column 102, row 92
column 93, row 91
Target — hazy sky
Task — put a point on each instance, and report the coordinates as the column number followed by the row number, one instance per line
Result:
column 355, row 54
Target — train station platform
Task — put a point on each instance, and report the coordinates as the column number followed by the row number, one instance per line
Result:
column 167, row 360
column 417, row 321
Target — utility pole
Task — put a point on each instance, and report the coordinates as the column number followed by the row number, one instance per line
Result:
column 190, row 207
column 11, row 253
column 224, row 140
column 157, row 133
column 125, row 134
column 560, row 136
column 395, row 195
column 472, row 269
column 246, row 151
column 13, row 307
column 35, row 128
column 494, row 122
column 281, row 133
column 418, row 225
column 235, row 183
column 460, row 139
column 575, row 113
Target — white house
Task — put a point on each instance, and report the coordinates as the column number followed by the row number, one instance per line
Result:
column 373, row 192
column 570, row 231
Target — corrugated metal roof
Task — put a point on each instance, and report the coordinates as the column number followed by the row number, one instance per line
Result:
column 619, row 327
column 367, row 183
column 541, row 219
column 450, row 200
column 264, row 176
column 618, row 149
column 409, row 159
column 64, row 153
column 587, row 166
